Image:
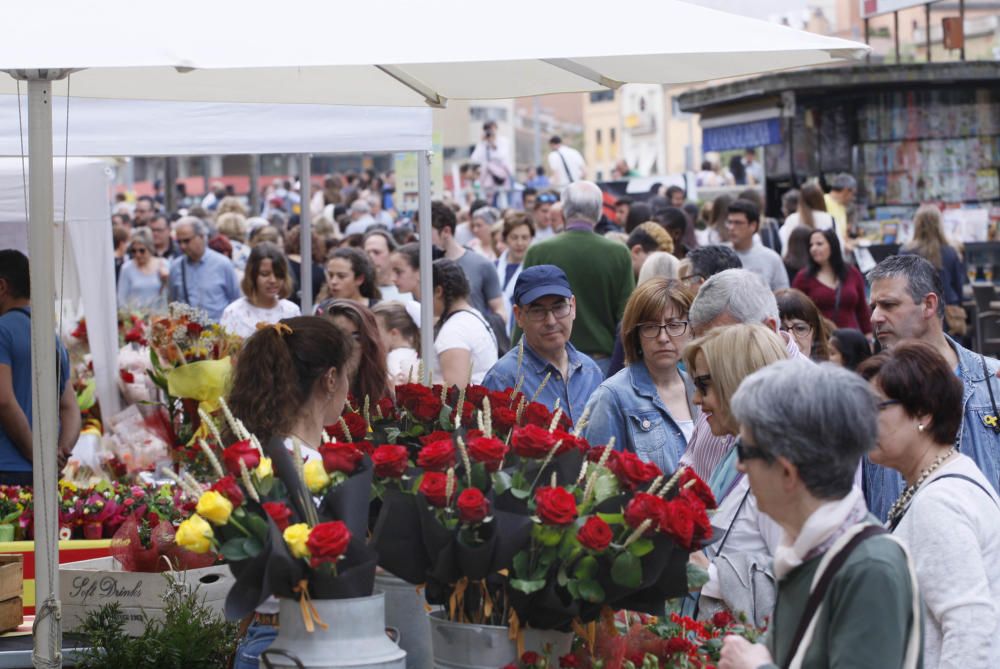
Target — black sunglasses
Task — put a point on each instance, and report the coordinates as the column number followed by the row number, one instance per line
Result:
column 701, row 383
column 744, row 452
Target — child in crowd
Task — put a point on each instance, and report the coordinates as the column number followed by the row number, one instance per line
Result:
column 398, row 323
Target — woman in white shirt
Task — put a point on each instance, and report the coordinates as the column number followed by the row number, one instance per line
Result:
column 948, row 515
column 266, row 283
column 811, row 213
column 464, row 345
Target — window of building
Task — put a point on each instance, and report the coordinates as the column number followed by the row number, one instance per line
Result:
column 602, row 96
column 613, row 135
column 597, row 135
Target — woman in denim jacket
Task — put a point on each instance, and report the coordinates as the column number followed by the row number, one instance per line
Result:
column 647, row 406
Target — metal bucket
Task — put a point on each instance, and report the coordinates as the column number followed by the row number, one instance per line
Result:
column 404, row 611
column 355, row 638
column 467, row 646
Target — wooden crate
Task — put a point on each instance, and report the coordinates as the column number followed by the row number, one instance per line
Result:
column 69, row 551
column 11, row 614
column 89, row 584
column 11, row 576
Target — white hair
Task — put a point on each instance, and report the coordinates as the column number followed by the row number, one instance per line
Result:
column 659, row 264
column 740, row 293
column 361, row 206
column 582, row 200
column 198, row 226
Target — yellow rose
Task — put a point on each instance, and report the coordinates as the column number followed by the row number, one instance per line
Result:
column 264, row 468
column 214, row 507
column 296, row 536
column 316, row 477
column 195, row 535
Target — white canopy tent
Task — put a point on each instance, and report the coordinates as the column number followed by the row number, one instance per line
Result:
column 201, row 51
column 87, row 277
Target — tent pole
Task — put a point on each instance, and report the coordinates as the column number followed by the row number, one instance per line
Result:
column 426, row 257
column 305, row 234
column 254, row 185
column 45, row 400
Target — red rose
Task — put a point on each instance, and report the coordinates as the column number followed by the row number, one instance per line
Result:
column 677, row 520
column 437, row 456
column 691, row 484
column 532, row 441
column 327, row 542
column 407, row 392
column 678, row 644
column 555, row 506
column 386, row 407
column 436, row 435
column 425, row 408
column 487, row 450
column 595, row 534
column 570, row 661
column 340, row 457
column 644, row 507
column 633, row 472
column 475, row 394
column 473, row 434
column 536, row 414
column 279, row 513
column 228, row 488
column 530, row 657
column 473, row 507
column 356, row 427
column 506, row 398
column 194, row 329
column 241, row 450
column 136, row 334
column 467, row 411
column 127, row 376
column 723, row 619
column 366, row 447
column 570, row 441
column 434, row 486
column 390, row 461
column 503, row 419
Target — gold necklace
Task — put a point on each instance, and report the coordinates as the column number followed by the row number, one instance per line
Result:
column 903, row 502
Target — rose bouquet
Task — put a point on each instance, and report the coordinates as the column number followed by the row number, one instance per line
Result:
column 287, row 527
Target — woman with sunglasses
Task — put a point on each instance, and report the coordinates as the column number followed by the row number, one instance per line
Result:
column 948, row 514
column 846, row 594
column 804, row 323
column 142, row 284
column 647, row 406
column 739, row 564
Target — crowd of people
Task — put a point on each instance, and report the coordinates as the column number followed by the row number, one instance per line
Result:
column 690, row 336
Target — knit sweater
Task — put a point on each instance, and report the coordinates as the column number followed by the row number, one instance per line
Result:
column 953, row 531
column 600, row 274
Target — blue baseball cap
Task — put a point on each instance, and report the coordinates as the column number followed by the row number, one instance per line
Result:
column 540, row 281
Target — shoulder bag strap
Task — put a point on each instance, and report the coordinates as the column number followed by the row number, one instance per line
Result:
column 989, row 386
column 184, row 280
column 821, row 587
column 722, row 544
column 970, row 480
column 569, row 174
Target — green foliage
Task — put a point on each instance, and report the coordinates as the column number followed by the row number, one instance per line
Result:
column 191, row 636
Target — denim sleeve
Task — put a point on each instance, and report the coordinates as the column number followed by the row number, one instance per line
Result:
column 604, row 420
column 495, row 379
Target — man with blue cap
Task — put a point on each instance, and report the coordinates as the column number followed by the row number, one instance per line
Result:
column 545, row 308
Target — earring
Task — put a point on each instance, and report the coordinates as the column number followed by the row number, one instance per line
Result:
column 920, row 427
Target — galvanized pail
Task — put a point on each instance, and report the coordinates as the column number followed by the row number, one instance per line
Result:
column 468, row 646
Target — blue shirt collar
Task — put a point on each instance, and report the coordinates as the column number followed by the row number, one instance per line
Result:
column 540, row 365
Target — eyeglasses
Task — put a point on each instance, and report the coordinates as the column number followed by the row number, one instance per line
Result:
column 701, row 383
column 539, row 313
column 181, row 241
column 885, row 404
column 547, row 198
column 797, row 329
column 138, row 249
column 691, row 279
column 652, row 330
column 745, row 452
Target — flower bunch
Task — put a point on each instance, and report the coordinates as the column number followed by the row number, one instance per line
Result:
column 185, row 335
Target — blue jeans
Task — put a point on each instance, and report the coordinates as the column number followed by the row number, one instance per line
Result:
column 258, row 639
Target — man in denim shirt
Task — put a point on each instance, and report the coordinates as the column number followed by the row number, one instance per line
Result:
column 544, row 307
column 907, row 304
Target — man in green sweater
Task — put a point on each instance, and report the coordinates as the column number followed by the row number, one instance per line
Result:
column 599, row 271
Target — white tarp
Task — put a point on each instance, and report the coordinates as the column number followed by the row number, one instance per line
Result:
column 89, row 278
column 390, row 52
column 153, row 128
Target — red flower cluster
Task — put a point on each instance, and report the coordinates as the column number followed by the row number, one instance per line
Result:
column 356, row 427
column 683, row 518
column 534, row 442
column 422, row 402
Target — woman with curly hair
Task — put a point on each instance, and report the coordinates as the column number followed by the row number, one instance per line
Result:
column 368, row 374
column 465, row 346
column 289, row 381
column 351, row 276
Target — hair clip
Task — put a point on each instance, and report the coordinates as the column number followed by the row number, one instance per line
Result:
column 281, row 328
